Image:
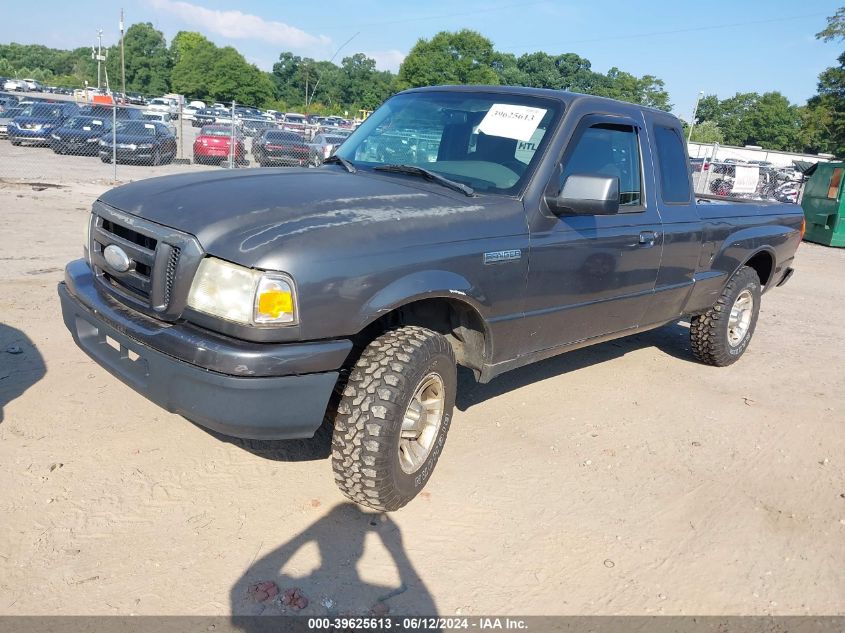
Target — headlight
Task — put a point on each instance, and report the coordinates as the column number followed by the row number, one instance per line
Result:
column 242, row 295
column 102, row 143
column 92, row 140
column 145, row 146
column 56, row 136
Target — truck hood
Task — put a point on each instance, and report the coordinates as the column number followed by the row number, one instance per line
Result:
column 251, row 216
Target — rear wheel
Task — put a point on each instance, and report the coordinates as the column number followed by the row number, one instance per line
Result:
column 393, row 417
column 722, row 334
column 15, row 142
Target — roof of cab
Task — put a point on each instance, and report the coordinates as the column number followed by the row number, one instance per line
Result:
column 563, row 96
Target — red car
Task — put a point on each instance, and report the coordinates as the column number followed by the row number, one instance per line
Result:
column 213, row 145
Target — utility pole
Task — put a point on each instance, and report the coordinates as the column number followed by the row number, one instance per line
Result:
column 122, row 63
column 99, row 56
column 694, row 112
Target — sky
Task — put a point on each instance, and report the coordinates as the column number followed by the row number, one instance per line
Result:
column 717, row 47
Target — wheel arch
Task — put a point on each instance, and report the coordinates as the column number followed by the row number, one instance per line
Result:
column 438, row 300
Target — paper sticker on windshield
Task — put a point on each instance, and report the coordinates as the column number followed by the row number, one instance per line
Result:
column 97, row 122
column 149, row 126
column 511, row 121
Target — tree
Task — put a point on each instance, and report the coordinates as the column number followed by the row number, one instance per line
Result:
column 835, row 29
column 707, row 132
column 147, row 61
column 192, row 55
column 232, row 78
column 464, row 57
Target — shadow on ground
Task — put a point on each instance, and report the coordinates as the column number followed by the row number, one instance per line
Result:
column 21, row 365
column 339, row 584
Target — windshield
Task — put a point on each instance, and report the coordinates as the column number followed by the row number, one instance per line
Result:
column 136, row 128
column 485, row 140
column 85, row 123
column 11, row 113
column 334, row 140
column 45, row 110
column 153, row 117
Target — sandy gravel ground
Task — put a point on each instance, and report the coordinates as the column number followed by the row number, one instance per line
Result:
column 620, row 479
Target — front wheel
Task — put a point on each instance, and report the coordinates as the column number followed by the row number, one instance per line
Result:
column 393, row 417
column 722, row 334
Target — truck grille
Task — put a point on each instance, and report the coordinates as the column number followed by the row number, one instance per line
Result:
column 161, row 261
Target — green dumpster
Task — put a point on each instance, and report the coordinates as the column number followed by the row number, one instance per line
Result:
column 823, row 205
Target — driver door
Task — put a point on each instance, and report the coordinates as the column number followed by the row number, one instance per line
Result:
column 593, row 274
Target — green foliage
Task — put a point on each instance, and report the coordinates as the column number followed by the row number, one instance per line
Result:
column 768, row 120
column 193, row 55
column 147, row 61
column 464, row 57
column 835, row 29
column 232, row 78
column 707, row 132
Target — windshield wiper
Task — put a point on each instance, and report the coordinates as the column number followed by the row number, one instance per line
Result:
column 413, row 170
column 334, row 158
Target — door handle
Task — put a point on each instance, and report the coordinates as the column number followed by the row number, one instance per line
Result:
column 648, row 238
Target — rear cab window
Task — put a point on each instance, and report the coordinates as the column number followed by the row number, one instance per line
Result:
column 672, row 165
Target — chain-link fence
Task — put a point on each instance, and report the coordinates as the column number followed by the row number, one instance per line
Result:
column 60, row 137
column 717, row 173
column 82, row 136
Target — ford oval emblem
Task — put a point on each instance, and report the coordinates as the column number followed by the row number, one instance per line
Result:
column 116, row 258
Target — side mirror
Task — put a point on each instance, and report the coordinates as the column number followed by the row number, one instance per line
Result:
column 583, row 194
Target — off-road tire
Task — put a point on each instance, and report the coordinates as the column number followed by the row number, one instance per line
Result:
column 709, row 331
column 368, row 423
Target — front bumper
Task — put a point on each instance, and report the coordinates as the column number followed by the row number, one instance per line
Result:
column 238, row 388
column 29, row 136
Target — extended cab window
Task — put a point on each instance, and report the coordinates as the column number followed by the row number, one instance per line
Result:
column 608, row 149
column 674, row 174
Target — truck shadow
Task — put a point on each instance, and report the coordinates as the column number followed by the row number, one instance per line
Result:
column 672, row 340
column 21, row 365
column 332, row 549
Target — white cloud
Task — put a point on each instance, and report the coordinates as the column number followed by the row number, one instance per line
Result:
column 387, row 60
column 238, row 25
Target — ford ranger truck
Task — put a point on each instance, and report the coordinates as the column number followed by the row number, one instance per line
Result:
column 488, row 227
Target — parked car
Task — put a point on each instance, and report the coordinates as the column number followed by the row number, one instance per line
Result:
column 102, row 111
column 6, row 117
column 37, row 121
column 277, row 147
column 204, row 116
column 135, row 98
column 323, row 146
column 139, row 142
column 15, row 85
column 161, row 117
column 295, row 123
column 80, row 135
column 275, row 302
column 162, row 104
column 214, row 145
column 254, row 127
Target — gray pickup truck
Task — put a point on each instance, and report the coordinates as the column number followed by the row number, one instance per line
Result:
column 487, row 227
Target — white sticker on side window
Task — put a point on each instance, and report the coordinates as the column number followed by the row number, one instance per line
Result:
column 511, row 121
column 149, row 126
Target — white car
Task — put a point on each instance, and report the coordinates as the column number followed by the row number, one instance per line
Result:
column 14, row 85
column 161, row 104
column 197, row 105
column 161, row 117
